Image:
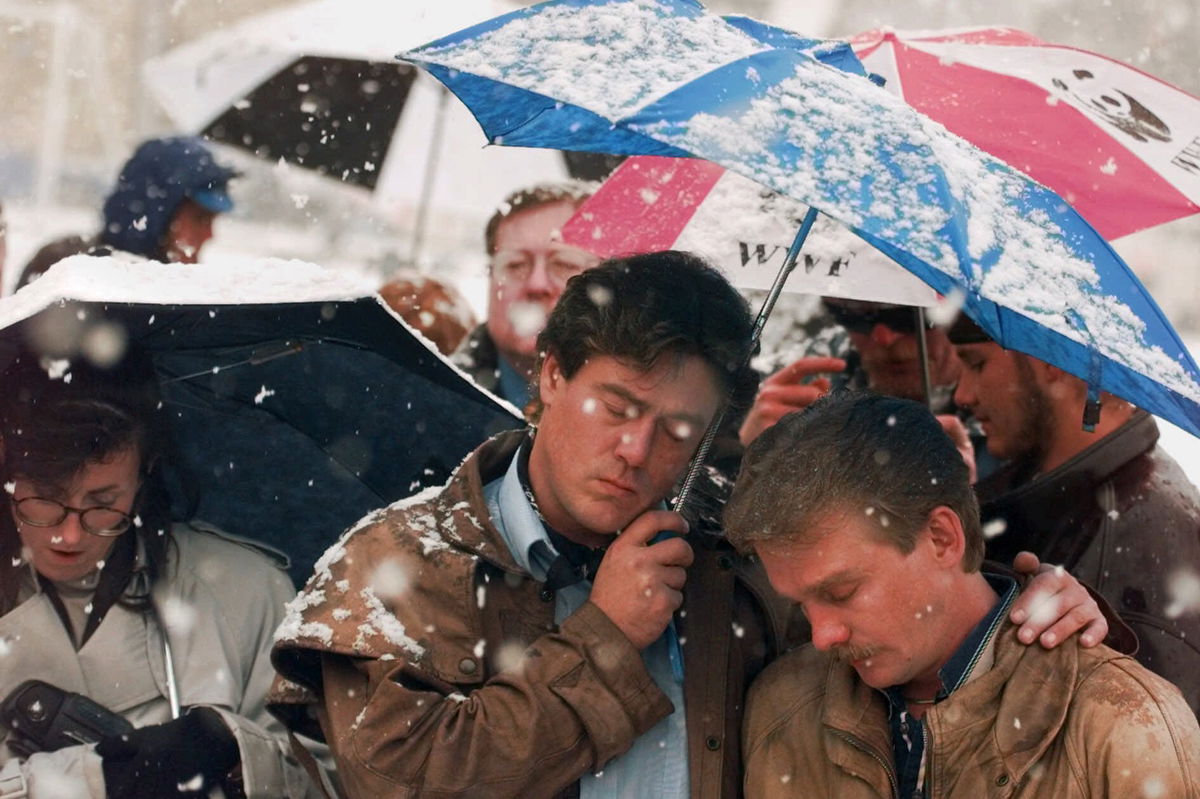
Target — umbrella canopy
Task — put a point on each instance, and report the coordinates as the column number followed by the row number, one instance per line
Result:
column 316, row 84
column 666, row 78
column 298, row 400
column 1121, row 146
column 654, row 203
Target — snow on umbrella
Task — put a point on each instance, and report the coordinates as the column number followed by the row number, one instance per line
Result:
column 663, row 77
column 298, row 400
column 1121, row 146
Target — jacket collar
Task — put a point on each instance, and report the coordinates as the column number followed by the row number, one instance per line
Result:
column 1093, row 465
column 1025, row 684
column 488, row 462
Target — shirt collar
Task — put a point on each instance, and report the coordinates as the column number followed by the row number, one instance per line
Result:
column 520, row 524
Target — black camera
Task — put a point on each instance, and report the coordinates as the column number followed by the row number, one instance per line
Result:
column 44, row 717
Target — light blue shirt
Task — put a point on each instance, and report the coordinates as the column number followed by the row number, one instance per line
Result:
column 657, row 763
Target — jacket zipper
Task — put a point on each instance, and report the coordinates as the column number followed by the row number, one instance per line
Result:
column 857, row 744
column 927, row 755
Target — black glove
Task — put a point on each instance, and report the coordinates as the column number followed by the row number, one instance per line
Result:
column 182, row 758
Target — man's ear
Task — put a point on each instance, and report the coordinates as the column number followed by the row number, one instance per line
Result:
column 946, row 536
column 550, row 379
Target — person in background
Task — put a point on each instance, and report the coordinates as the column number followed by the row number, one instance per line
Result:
column 1108, row 504
column 884, row 358
column 162, row 208
column 166, row 626
column 436, row 309
column 542, row 626
column 527, row 269
column 915, row 683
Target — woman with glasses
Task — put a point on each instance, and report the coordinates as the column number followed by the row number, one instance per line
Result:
column 148, row 638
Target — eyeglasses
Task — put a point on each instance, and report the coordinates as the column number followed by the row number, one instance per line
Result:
column 862, row 317
column 98, row 520
column 562, row 264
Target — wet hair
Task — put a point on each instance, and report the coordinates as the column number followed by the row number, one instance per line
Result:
column 530, row 197
column 53, row 428
column 641, row 308
column 857, row 452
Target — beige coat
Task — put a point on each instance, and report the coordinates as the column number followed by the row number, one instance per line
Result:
column 1064, row 723
column 435, row 668
column 226, row 599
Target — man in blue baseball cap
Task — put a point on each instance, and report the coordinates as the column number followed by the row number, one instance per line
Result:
column 166, row 198
column 167, row 195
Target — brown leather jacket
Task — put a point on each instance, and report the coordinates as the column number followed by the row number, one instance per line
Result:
column 1122, row 517
column 1067, row 722
column 464, row 686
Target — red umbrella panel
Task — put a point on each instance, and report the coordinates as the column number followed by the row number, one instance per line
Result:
column 1121, row 146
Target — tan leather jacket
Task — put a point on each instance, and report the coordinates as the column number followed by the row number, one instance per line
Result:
column 1068, row 722
column 464, row 686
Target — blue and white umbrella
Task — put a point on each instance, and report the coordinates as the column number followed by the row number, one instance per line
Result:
column 664, row 77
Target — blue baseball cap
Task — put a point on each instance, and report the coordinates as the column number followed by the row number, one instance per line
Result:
column 160, row 175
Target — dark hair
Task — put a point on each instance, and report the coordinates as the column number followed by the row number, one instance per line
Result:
column 526, row 199
column 885, row 456
column 52, row 428
column 640, row 308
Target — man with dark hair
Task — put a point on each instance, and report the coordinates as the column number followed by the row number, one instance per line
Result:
column 527, row 268
column 1108, row 504
column 861, row 511
column 496, row 637
column 163, row 206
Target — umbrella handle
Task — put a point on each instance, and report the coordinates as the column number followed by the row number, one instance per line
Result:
column 768, row 305
column 923, row 356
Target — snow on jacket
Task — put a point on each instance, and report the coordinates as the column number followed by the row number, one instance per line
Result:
column 434, row 665
column 223, row 600
column 1067, row 722
column 1122, row 517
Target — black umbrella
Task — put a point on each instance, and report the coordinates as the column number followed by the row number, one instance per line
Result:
column 291, row 420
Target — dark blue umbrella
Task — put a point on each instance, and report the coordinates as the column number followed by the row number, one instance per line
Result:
column 663, row 77
column 299, row 401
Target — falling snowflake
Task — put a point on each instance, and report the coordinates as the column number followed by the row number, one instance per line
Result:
column 994, row 527
column 179, row 616
column 1183, row 588
column 390, row 580
column 192, row 785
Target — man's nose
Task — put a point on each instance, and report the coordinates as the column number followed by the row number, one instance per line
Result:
column 964, row 392
column 538, row 283
column 884, row 336
column 827, row 631
column 636, row 440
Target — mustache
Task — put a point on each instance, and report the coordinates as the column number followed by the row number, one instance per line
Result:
column 848, row 653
